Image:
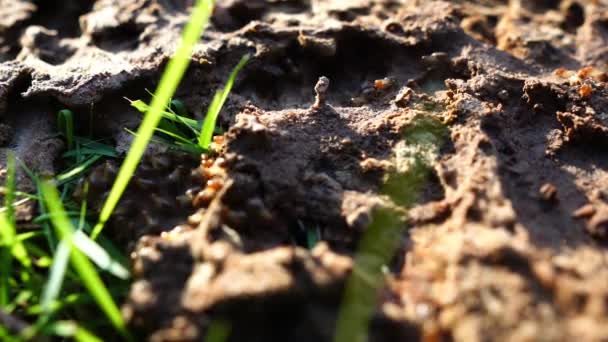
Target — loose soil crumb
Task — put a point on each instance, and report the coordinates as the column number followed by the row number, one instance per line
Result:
column 506, row 242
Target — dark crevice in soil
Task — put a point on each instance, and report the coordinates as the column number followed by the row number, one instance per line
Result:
column 61, row 16
column 120, row 38
column 237, row 14
column 44, row 29
column 575, row 17
column 433, row 190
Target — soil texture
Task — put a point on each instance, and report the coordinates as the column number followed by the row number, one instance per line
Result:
column 506, row 240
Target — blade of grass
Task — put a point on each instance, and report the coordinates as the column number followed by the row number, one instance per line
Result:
column 168, row 85
column 206, row 134
column 9, row 198
column 29, row 235
column 95, row 252
column 216, row 105
column 17, row 203
column 182, row 120
column 94, row 144
column 71, row 329
column 56, row 275
column 81, row 264
column 47, row 217
column 10, row 246
column 15, row 247
column 312, row 237
column 4, row 190
column 46, row 228
column 176, row 145
column 175, row 136
column 65, row 121
column 114, row 251
column 72, row 300
column 83, row 208
column 90, row 151
column 192, row 125
column 170, row 119
column 218, row 331
column 5, row 276
column 143, row 107
column 178, row 108
column 99, row 255
column 8, row 231
column 78, row 170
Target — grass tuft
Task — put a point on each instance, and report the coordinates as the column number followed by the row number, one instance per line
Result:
column 50, row 276
column 10, row 246
column 168, row 85
column 180, row 132
column 85, row 270
column 216, row 105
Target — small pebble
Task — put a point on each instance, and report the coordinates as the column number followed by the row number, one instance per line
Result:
column 321, row 89
column 548, row 192
column 503, row 95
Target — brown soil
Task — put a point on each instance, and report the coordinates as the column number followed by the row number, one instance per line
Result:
column 506, row 242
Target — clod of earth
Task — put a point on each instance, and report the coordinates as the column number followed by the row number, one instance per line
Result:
column 506, row 240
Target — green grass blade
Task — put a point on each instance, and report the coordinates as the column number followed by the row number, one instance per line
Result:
column 83, row 335
column 115, row 253
column 41, row 207
column 139, row 105
column 191, row 123
column 99, row 255
column 175, row 136
column 65, row 121
column 83, row 208
column 70, row 329
column 29, row 235
column 170, row 120
column 90, row 151
column 9, row 197
column 168, row 85
column 4, row 190
column 175, row 145
column 56, row 275
column 6, row 261
column 206, row 135
column 312, row 237
column 218, row 331
column 216, row 106
column 179, row 108
column 187, row 123
column 78, row 170
column 10, row 245
column 95, row 145
column 47, row 217
column 88, row 275
column 8, row 235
